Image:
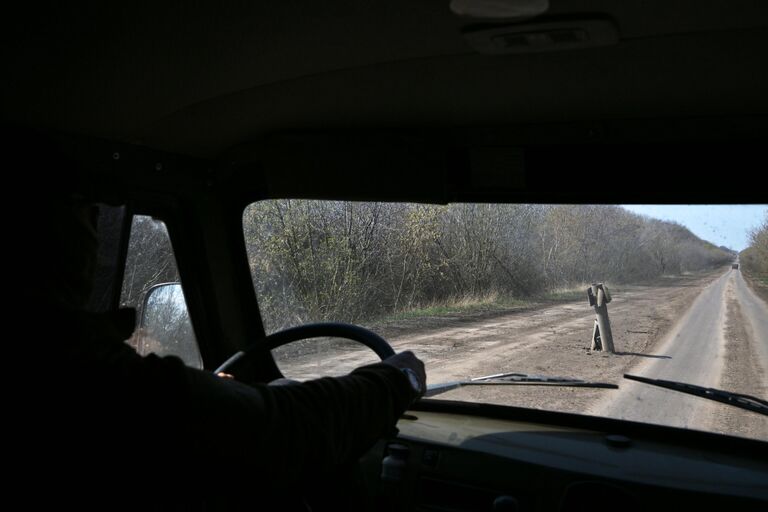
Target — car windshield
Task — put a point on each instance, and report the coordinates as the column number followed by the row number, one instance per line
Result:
column 565, row 292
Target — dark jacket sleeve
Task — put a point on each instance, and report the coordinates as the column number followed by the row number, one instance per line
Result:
column 167, row 413
column 152, row 421
column 300, row 430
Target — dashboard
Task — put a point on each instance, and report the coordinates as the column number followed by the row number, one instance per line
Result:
column 453, row 462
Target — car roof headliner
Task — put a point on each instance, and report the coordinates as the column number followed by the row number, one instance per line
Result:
column 204, row 81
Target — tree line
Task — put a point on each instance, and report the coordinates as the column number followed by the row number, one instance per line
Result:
column 755, row 257
column 353, row 261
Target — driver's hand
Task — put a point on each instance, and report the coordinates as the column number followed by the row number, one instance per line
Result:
column 407, row 360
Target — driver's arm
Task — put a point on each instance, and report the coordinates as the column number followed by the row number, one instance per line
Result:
column 111, row 409
column 296, row 431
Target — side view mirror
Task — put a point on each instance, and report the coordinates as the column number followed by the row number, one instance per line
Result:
column 165, row 328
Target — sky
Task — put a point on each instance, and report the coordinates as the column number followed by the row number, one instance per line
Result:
column 727, row 225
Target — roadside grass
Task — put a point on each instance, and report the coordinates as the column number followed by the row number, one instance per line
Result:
column 459, row 307
column 578, row 292
column 758, row 281
column 567, row 294
column 482, row 305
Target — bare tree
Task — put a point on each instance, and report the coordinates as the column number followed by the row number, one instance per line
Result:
column 321, row 260
column 150, row 260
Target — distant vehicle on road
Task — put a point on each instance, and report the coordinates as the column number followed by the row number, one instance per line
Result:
column 735, row 266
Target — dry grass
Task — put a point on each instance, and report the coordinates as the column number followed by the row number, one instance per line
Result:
column 758, row 282
column 468, row 304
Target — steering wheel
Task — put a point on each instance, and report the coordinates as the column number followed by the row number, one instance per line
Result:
column 319, row 330
column 327, row 498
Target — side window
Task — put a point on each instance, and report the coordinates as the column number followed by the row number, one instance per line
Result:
column 151, row 285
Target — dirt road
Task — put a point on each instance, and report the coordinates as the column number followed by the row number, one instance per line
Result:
column 679, row 324
column 717, row 343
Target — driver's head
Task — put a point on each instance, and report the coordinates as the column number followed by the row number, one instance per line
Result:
column 55, row 244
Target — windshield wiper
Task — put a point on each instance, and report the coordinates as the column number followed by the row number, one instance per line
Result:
column 747, row 402
column 516, row 379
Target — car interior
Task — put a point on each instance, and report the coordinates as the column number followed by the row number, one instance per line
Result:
column 189, row 112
